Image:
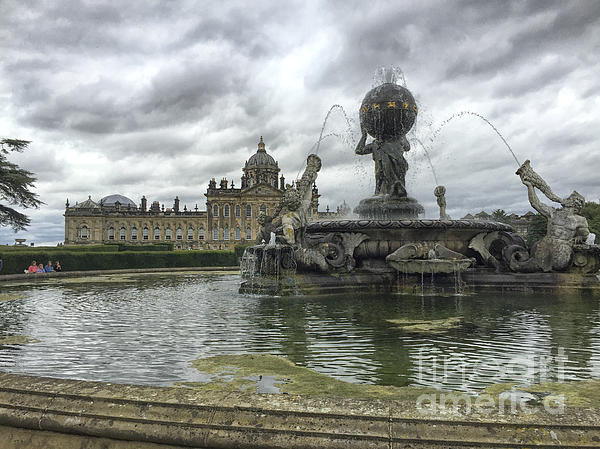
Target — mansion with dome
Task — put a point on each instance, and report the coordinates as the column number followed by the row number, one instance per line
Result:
column 230, row 217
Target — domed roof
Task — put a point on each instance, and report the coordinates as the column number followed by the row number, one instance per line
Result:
column 261, row 157
column 110, row 200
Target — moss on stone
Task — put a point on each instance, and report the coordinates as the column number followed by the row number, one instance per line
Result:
column 295, row 379
column 18, row 340
column 428, row 326
column 583, row 393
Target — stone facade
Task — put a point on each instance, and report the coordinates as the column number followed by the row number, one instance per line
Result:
column 230, row 217
column 520, row 223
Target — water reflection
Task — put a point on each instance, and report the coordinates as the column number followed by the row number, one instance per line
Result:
column 146, row 330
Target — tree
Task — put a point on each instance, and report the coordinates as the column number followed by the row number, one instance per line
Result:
column 591, row 211
column 500, row 215
column 15, row 187
column 536, row 229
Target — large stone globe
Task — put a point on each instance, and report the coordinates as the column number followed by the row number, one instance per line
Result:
column 388, row 111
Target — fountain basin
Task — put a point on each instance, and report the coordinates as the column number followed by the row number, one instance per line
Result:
column 386, row 236
column 443, row 266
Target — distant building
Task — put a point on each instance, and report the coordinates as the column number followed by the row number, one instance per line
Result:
column 229, row 218
column 520, row 223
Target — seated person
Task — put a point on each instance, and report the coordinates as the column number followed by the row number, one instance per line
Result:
column 48, row 268
column 32, row 268
column 57, row 266
column 40, row 268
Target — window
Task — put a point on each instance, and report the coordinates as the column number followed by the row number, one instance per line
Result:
column 111, row 233
column 263, row 208
column 226, row 211
column 84, row 232
column 237, row 210
column 156, row 233
column 238, row 233
column 248, row 211
column 226, row 233
column 122, row 233
column 168, row 234
column 145, row 233
column 309, row 212
column 215, row 233
column 248, row 233
column 134, row 233
column 201, row 234
column 179, row 233
column 191, row 234
column 215, row 211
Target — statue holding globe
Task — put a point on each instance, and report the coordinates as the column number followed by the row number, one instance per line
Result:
column 387, row 113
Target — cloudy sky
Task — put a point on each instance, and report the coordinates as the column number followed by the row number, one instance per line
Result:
column 155, row 98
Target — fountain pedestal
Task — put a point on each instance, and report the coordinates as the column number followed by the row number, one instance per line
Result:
column 389, row 207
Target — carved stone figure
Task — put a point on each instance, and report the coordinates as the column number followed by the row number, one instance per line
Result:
column 296, row 202
column 267, row 225
column 390, row 165
column 387, row 113
column 565, row 227
column 440, row 193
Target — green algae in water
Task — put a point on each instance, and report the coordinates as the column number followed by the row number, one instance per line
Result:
column 18, row 340
column 428, row 326
column 11, row 296
column 239, row 373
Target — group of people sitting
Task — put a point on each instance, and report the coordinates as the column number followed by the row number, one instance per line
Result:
column 35, row 268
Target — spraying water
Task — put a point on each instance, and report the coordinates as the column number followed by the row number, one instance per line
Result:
column 463, row 113
column 391, row 74
column 349, row 136
column 349, row 124
column 416, row 139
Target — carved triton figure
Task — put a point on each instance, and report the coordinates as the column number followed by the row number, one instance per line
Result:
column 565, row 227
column 291, row 216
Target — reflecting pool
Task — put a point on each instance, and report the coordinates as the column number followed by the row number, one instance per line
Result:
column 146, row 329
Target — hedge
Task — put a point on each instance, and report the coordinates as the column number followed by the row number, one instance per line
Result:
column 14, row 263
column 239, row 250
column 47, row 249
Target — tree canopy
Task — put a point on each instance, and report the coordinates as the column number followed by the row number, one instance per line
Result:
column 501, row 216
column 15, row 187
column 591, row 211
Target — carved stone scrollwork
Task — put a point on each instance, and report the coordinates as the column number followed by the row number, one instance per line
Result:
column 336, row 249
column 498, row 248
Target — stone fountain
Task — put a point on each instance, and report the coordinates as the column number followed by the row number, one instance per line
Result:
column 389, row 241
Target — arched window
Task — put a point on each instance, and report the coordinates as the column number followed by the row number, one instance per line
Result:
column 157, row 233
column 145, row 233
column 201, row 234
column 179, row 233
column 226, row 211
column 168, row 234
column 237, row 210
column 215, row 233
column 226, row 233
column 248, row 211
column 111, row 233
column 122, row 233
column 238, row 233
column 263, row 208
column 190, row 233
column 248, row 233
column 134, row 233
column 215, row 211
column 84, row 232
column 309, row 212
